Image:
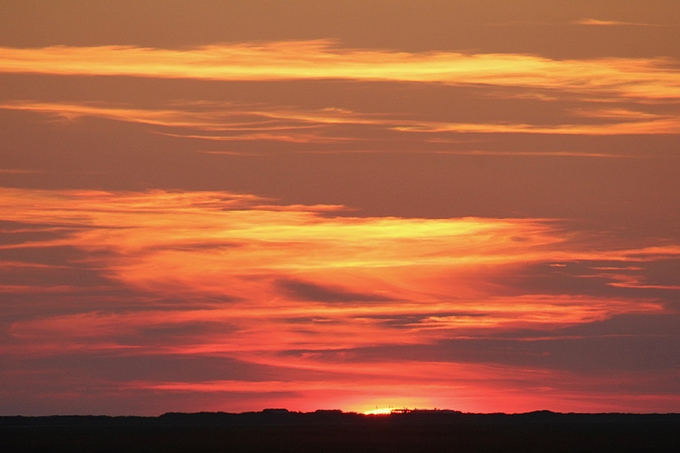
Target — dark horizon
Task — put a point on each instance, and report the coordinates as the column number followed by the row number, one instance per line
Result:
column 383, row 412
column 334, row 431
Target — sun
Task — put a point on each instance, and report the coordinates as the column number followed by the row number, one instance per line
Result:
column 392, row 405
column 380, row 411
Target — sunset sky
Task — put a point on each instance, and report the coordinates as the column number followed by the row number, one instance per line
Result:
column 233, row 205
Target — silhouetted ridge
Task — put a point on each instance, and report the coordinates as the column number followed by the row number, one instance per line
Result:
column 335, row 431
column 284, row 416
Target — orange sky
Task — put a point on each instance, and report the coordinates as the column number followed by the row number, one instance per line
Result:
column 237, row 205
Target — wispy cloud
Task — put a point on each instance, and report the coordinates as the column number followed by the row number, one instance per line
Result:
column 614, row 23
column 669, row 125
column 231, row 122
column 225, row 122
column 618, row 77
column 201, row 115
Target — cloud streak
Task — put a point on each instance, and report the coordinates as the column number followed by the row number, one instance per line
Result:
column 314, row 60
column 613, row 23
column 214, row 122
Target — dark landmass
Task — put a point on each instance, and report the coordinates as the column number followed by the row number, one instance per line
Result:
column 278, row 430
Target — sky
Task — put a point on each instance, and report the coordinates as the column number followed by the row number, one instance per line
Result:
column 236, row 205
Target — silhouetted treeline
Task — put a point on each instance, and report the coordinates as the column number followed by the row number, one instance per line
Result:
column 278, row 430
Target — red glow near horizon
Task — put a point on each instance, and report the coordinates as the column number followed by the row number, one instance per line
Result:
column 324, row 302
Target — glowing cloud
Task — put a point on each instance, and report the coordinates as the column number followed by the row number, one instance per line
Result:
column 234, row 122
column 294, row 289
column 611, row 23
column 290, row 60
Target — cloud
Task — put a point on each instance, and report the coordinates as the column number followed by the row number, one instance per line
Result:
column 207, row 116
column 225, row 122
column 230, row 122
column 218, row 246
column 668, row 125
column 313, row 292
column 315, row 60
column 613, row 23
column 311, row 305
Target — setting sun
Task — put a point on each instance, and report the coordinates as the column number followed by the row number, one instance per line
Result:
column 380, row 411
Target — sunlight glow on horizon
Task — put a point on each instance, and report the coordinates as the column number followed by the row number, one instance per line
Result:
column 380, row 411
column 247, row 272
